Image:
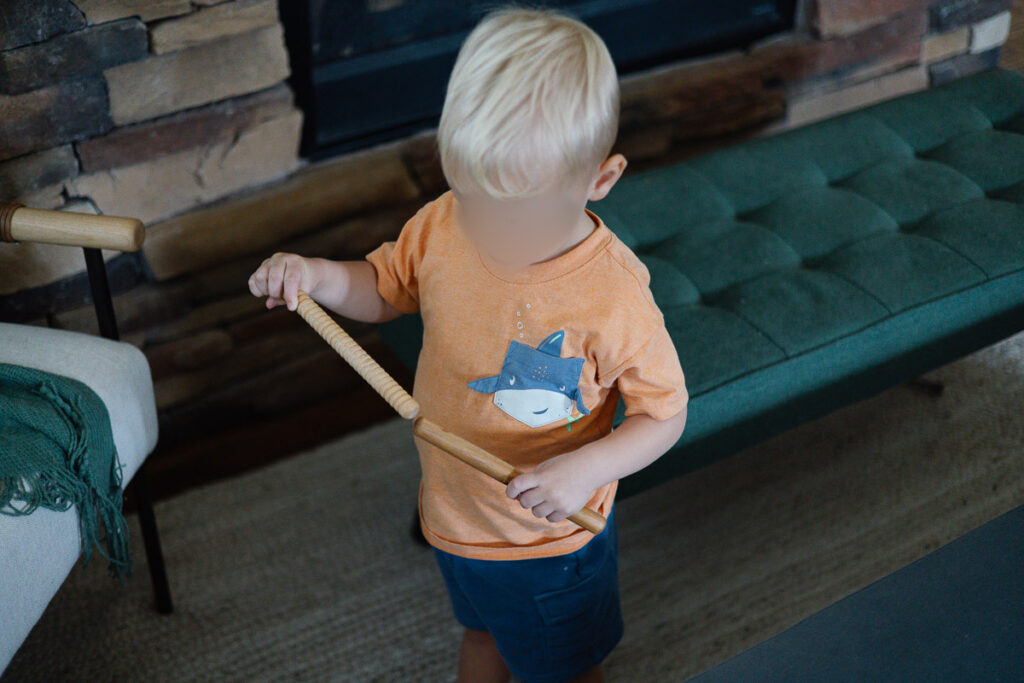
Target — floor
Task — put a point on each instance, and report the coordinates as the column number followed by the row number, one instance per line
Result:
column 304, row 569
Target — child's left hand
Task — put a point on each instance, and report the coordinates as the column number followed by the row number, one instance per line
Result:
column 556, row 488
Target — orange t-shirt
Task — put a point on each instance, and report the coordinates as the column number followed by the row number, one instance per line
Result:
column 527, row 367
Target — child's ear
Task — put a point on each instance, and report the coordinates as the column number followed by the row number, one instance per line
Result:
column 607, row 175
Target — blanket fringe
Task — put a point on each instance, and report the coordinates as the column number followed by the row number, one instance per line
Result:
column 70, row 483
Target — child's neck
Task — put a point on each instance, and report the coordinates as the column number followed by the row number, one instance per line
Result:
column 584, row 227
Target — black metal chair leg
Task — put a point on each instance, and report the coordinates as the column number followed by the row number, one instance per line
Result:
column 416, row 531
column 151, row 538
column 104, row 305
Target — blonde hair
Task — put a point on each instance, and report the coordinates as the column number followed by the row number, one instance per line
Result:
column 532, row 103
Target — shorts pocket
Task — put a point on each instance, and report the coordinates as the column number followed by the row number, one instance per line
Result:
column 572, row 602
column 579, row 621
column 595, row 564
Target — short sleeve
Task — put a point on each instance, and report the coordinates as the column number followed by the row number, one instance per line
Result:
column 398, row 263
column 651, row 381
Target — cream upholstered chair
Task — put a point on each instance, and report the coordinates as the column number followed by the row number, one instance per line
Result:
column 38, row 550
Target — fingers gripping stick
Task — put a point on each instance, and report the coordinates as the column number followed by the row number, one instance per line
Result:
column 407, row 407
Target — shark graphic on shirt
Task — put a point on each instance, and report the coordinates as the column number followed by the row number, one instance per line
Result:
column 536, row 385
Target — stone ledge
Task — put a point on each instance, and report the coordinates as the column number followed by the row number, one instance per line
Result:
column 33, row 21
column 207, row 316
column 37, row 171
column 65, row 112
column 188, row 354
column 124, row 272
column 818, row 106
column 939, row 46
column 98, row 11
column 830, row 19
column 177, row 132
column 962, row 65
column 348, row 240
column 136, row 309
column 949, row 14
column 288, row 385
column 990, row 33
column 241, row 363
column 165, row 186
column 316, row 196
column 204, row 25
column 25, row 265
column 72, row 55
column 420, row 154
column 795, row 57
column 49, row 197
column 213, row 71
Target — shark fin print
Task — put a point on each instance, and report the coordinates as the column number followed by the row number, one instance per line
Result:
column 536, row 385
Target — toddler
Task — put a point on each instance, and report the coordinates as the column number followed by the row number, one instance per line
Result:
column 536, row 319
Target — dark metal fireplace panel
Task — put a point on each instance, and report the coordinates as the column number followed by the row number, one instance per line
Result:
column 368, row 71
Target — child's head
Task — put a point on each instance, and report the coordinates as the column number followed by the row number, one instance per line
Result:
column 529, row 119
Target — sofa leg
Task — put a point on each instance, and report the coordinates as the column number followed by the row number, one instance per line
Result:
column 416, row 531
column 931, row 387
column 151, row 538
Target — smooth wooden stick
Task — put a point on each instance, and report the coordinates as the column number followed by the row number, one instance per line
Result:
column 491, row 465
column 18, row 223
column 407, row 407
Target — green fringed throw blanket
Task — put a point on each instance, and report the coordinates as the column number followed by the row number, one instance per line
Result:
column 57, row 449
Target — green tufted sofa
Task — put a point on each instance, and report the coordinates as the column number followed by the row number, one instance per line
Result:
column 813, row 268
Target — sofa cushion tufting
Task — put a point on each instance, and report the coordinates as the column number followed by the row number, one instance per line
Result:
column 817, row 232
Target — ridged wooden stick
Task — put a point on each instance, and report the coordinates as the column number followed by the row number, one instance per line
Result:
column 351, row 351
column 406, row 406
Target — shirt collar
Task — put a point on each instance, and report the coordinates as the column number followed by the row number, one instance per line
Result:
column 552, row 268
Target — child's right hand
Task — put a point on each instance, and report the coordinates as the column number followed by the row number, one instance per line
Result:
column 280, row 277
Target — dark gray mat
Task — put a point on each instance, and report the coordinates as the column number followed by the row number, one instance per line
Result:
column 956, row 614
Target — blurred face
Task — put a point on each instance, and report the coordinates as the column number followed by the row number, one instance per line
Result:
column 517, row 232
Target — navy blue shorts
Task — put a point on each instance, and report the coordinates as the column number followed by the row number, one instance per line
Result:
column 551, row 617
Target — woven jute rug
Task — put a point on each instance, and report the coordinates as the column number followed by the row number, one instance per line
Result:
column 305, row 570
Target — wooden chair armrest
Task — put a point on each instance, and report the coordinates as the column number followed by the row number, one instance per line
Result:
column 18, row 223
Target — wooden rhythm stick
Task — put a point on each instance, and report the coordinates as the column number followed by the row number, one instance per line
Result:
column 407, row 407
